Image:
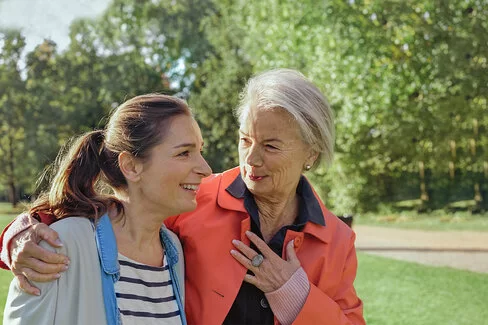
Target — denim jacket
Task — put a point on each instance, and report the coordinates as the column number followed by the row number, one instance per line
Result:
column 108, row 254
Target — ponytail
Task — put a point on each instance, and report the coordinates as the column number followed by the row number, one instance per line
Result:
column 73, row 190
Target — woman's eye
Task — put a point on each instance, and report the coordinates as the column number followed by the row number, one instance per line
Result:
column 244, row 141
column 184, row 153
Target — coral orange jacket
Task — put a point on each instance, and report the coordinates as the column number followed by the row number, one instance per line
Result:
column 213, row 276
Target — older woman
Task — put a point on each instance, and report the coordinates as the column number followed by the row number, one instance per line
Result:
column 261, row 248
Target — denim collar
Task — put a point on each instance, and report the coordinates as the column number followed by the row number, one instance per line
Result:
column 107, row 245
column 169, row 247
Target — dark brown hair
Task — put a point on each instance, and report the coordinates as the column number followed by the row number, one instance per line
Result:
column 136, row 127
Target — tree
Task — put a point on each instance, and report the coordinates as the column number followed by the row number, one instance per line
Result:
column 218, row 82
column 12, row 112
column 402, row 78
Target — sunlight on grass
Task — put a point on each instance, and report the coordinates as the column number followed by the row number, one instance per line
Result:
column 399, row 293
column 5, row 276
column 6, row 208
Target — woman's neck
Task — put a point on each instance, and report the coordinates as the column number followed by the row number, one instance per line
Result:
column 275, row 214
column 137, row 234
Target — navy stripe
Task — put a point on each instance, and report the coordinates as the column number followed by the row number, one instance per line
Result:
column 147, row 284
column 144, row 314
column 143, row 298
column 143, row 267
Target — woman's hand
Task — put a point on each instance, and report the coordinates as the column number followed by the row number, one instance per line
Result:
column 273, row 271
column 32, row 262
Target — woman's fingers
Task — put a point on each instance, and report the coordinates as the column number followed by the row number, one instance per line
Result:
column 25, row 251
column 246, row 250
column 33, row 261
column 43, row 232
column 260, row 244
column 32, row 275
column 274, row 271
column 26, row 286
column 245, row 261
column 252, row 280
column 291, row 255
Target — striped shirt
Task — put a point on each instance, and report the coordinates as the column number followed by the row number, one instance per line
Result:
column 145, row 294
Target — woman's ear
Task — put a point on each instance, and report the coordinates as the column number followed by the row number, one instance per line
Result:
column 312, row 157
column 130, row 166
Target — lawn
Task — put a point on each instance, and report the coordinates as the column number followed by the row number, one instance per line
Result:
column 5, row 277
column 403, row 293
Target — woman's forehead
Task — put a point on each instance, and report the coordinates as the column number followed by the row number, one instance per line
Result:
column 270, row 123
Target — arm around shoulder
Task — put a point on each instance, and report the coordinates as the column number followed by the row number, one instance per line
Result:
column 76, row 297
column 19, row 224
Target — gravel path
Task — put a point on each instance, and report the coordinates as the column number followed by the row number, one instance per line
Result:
column 466, row 250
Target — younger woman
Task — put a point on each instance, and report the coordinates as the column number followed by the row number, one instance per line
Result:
column 125, row 265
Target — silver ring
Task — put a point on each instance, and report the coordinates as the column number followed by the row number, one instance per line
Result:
column 257, row 260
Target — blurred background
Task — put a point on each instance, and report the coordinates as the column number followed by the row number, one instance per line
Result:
column 407, row 80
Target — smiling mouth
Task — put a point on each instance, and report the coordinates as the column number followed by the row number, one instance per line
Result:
column 255, row 178
column 190, row 187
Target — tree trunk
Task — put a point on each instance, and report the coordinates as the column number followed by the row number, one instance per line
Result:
column 13, row 194
column 11, row 164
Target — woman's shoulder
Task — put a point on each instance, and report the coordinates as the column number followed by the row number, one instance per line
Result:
column 73, row 225
column 73, row 232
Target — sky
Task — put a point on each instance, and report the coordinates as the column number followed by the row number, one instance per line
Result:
column 40, row 19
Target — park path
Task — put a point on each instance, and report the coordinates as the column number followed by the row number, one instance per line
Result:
column 466, row 250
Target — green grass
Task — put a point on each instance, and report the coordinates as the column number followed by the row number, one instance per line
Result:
column 5, row 276
column 6, row 208
column 436, row 220
column 400, row 293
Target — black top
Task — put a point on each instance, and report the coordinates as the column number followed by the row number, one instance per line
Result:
column 250, row 305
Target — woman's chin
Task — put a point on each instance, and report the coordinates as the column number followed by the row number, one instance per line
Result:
column 188, row 206
column 257, row 190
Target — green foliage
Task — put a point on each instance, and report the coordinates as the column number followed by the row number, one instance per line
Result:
column 403, row 78
column 215, row 92
column 407, row 81
column 60, row 95
column 13, row 112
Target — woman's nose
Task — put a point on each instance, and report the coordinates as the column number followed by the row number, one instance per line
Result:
column 203, row 167
column 253, row 156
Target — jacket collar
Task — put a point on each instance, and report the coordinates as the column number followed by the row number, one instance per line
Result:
column 169, row 247
column 107, row 245
column 226, row 200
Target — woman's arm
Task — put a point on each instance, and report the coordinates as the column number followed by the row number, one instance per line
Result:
column 345, row 308
column 76, row 296
column 19, row 250
column 17, row 226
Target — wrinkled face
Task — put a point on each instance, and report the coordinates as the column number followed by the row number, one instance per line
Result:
column 272, row 154
column 171, row 176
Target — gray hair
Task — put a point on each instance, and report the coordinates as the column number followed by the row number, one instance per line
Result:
column 292, row 91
